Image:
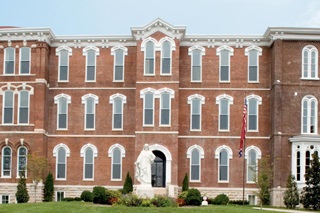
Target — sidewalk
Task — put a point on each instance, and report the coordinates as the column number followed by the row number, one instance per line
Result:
column 283, row 210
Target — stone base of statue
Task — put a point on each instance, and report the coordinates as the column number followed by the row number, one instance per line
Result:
column 145, row 191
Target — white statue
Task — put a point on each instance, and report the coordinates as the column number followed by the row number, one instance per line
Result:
column 143, row 165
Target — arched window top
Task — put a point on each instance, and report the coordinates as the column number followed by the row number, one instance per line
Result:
column 147, row 90
column 86, row 49
column 309, row 98
column 162, row 149
column 145, row 42
column 197, row 47
column 91, row 146
column 166, row 90
column 120, row 147
column 224, row 96
column 62, row 95
column 253, row 47
column 64, row 48
column 26, row 87
column 226, row 148
column 256, row 149
column 58, row 147
column 225, row 47
column 85, row 97
column 196, row 96
column 167, row 39
column 119, row 47
column 199, row 148
column 257, row 97
column 118, row 95
column 310, row 48
column 8, row 87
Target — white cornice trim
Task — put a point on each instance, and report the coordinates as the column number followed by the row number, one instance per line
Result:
column 227, row 89
column 157, row 82
column 221, row 137
column 92, row 88
column 90, row 136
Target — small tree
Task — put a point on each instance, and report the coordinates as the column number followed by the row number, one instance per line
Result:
column 310, row 198
column 291, row 196
column 263, row 180
column 185, row 183
column 22, row 194
column 37, row 165
column 127, row 186
column 48, row 189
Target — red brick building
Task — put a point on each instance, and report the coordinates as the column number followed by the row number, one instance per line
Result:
column 90, row 103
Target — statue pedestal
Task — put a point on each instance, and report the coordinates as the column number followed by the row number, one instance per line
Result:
column 145, row 191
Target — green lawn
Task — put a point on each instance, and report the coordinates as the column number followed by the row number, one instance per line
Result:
column 78, row 207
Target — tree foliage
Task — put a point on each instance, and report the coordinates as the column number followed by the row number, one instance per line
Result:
column 263, row 180
column 185, row 183
column 127, row 186
column 291, row 196
column 310, row 198
column 48, row 189
column 22, row 194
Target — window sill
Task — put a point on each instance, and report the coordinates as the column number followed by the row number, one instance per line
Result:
column 195, row 181
column 223, row 181
column 148, row 126
column 149, row 75
column 169, row 74
column 253, row 82
column 120, row 81
column 88, row 180
column 93, row 81
column 311, row 79
column 224, row 82
column 27, row 125
column 165, row 126
column 195, row 130
column 252, row 130
column 67, row 81
column 116, row 180
column 5, row 177
column 60, row 179
column 250, row 182
column 16, row 75
column 90, row 130
column 62, row 130
column 196, row 81
column 224, row 130
column 117, row 130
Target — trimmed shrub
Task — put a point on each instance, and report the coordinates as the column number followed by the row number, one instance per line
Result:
column 48, row 189
column 70, row 199
column 86, row 196
column 291, row 195
column 113, row 197
column 193, row 197
column 185, row 183
column 180, row 202
column 238, row 202
column 99, row 195
column 146, row 203
column 127, row 186
column 22, row 194
column 221, row 199
column 183, row 195
column 163, row 201
column 131, row 200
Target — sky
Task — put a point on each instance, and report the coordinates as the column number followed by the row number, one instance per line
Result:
column 200, row 17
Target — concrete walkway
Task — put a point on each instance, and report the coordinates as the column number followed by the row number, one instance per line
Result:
column 283, row 210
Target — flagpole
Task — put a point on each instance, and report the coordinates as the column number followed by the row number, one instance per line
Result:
column 244, row 171
column 242, row 148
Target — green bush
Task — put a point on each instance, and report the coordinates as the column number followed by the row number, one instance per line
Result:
column 183, row 195
column 221, row 199
column 163, row 201
column 70, row 199
column 22, row 194
column 185, row 183
column 113, row 197
column 86, row 196
column 238, row 202
column 146, row 203
column 193, row 197
column 48, row 189
column 127, row 186
column 131, row 200
column 99, row 195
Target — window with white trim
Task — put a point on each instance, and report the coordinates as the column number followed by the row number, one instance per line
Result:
column 223, row 154
column 117, row 101
column 25, row 59
column 253, row 102
column 119, row 53
column 309, row 62
column 224, row 102
column 8, row 106
column 148, row 96
column 9, row 59
column 91, row 54
column 6, row 161
column 61, row 164
column 309, row 115
column 252, row 155
column 166, row 58
column 196, row 102
column 64, row 53
column 22, row 162
column 116, row 152
column 224, row 62
column 89, row 102
column 149, row 61
column 165, row 106
column 5, row 199
column 62, row 102
column 88, row 164
column 253, row 53
column 196, row 53
column 60, row 196
column 24, row 102
column 195, row 153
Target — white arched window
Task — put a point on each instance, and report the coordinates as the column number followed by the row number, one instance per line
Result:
column 223, row 154
column 117, row 101
column 252, row 154
column 25, row 60
column 149, row 46
column 91, row 54
column 253, row 53
column 224, row 102
column 62, row 102
column 9, row 58
column 119, row 53
column 224, row 60
column 165, row 106
column 148, row 96
column 195, row 102
column 253, row 102
column 195, row 153
column 309, row 62
column 309, row 115
column 167, row 46
column 6, row 161
column 63, row 53
column 22, row 162
column 61, row 152
column 8, row 106
column 88, row 152
column 89, row 102
column 116, row 152
column 196, row 53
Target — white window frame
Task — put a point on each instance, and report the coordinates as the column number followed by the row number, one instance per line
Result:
column 83, row 155
column 20, row 60
column 201, row 156
column 84, row 101
column 111, row 101
column 247, row 53
column 144, row 49
column 58, row 51
column 170, row 92
column 172, row 48
column 1, row 198
column 190, row 101
column 142, row 95
column 26, row 156
column 259, row 102
column 217, row 156
column 218, row 102
column 55, row 154
column 122, row 155
column 309, row 49
column 190, row 53
column 4, row 60
column 61, row 193
column 19, row 106
column 57, row 101
column 3, row 106
column 85, row 53
column 258, row 157
column 2, row 163
column 309, row 99
column 124, row 53
column 231, row 50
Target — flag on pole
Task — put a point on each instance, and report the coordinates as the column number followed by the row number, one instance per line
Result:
column 243, row 128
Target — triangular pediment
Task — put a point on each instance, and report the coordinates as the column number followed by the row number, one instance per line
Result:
column 158, row 25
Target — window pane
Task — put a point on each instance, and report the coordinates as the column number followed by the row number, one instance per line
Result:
column 118, row 106
column 116, row 156
column 61, row 171
column 149, row 101
column 150, row 50
column 252, row 107
column 90, row 73
column 195, row 172
column 117, row 119
column 224, row 75
column 149, row 66
column 90, row 105
column 196, row 73
column 253, row 58
column 252, row 122
column 224, row 58
column 10, row 53
column 25, row 53
column 148, row 116
column 223, row 158
column 118, row 73
column 166, row 62
column 223, row 122
column 165, row 116
column 165, row 101
column 223, row 173
column 62, row 121
column 8, row 116
column 23, row 115
column 91, row 58
column 8, row 98
column 224, row 105
column 89, row 155
column 24, row 98
column 24, row 66
column 116, row 171
column 61, row 156
column 196, row 58
column 89, row 121
column 196, row 106
column 62, row 105
column 88, row 171
column 119, row 58
column 63, row 73
column 166, row 49
column 195, row 122
column 9, row 67
column 64, row 56
column 253, row 73
column 195, row 157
